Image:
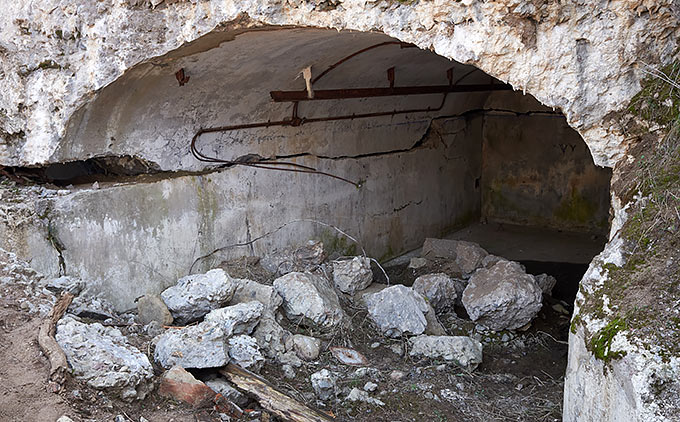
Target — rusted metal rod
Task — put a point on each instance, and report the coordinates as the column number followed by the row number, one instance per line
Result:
column 340, row 94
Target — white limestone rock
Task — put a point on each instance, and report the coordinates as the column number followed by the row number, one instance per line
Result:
column 462, row 350
column 310, row 300
column 440, row 290
column 363, row 396
column 271, row 338
column 102, row 357
column 397, row 311
column 244, row 351
column 351, row 275
column 502, row 297
column 324, row 384
column 195, row 295
column 197, row 346
column 237, row 319
column 248, row 291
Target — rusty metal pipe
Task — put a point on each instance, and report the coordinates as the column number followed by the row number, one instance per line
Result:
column 341, row 94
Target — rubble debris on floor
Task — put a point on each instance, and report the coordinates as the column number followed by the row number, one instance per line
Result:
column 326, row 333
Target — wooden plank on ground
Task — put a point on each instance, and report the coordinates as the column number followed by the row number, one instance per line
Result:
column 270, row 398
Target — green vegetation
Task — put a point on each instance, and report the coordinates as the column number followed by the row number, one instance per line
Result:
column 601, row 343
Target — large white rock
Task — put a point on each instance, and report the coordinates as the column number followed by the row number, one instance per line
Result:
column 397, row 311
column 237, row 319
column 439, row 289
column 462, row 350
column 102, row 357
column 248, row 291
column 197, row 346
column 351, row 275
column 195, row 295
column 502, row 297
column 310, row 300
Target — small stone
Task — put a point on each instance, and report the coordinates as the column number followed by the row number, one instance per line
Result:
column 370, row 386
column 119, row 418
column 237, row 319
column 324, row 384
column 546, row 283
column 397, row 375
column 178, row 384
column 152, row 308
column 375, row 345
column 64, row 419
column 199, row 346
column 143, row 419
column 561, row 309
column 362, row 396
column 195, row 295
column 243, row 351
column 288, row 372
column 417, row 262
column 397, row 349
column 306, row 347
column 352, row 275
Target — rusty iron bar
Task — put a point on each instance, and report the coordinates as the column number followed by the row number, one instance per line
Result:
column 341, row 94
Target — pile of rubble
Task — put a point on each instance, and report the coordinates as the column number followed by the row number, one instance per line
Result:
column 208, row 322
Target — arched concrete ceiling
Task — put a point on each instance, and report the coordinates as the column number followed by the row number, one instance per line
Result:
column 147, row 114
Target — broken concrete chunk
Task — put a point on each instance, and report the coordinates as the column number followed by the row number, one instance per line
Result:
column 352, row 275
column 324, row 384
column 310, row 300
column 198, row 346
column 237, row 319
column 468, row 255
column 271, row 337
column 502, row 297
column 93, row 307
column 304, row 258
column 464, row 351
column 491, row 260
column 417, row 262
column 546, row 283
column 195, row 295
column 439, row 289
column 306, row 347
column 244, row 352
column 248, row 291
column 180, row 385
column 152, row 308
column 397, row 311
column 102, row 357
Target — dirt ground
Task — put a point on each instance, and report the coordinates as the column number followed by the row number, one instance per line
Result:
column 520, row 379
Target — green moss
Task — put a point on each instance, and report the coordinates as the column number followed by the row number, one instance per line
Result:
column 601, row 343
column 658, row 101
column 335, row 244
column 49, row 64
column 576, row 208
column 575, row 322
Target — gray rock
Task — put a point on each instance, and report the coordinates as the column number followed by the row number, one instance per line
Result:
column 243, row 351
column 223, row 387
column 309, row 299
column 237, row 319
column 288, row 371
column 195, row 295
column 545, row 283
column 66, row 284
column 397, row 375
column 152, row 308
column 502, row 297
column 462, row 350
column 360, row 395
column 271, row 338
column 198, row 346
column 439, row 289
column 352, row 275
column 397, row 310
column 491, row 260
column 102, row 357
column 304, row 258
column 467, row 255
column 290, row 358
column 306, row 347
column 370, row 386
column 324, row 384
column 248, row 291
column 64, row 419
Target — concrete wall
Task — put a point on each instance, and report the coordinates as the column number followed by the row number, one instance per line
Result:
column 538, row 171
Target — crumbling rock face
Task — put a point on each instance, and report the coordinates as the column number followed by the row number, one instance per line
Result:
column 54, row 58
